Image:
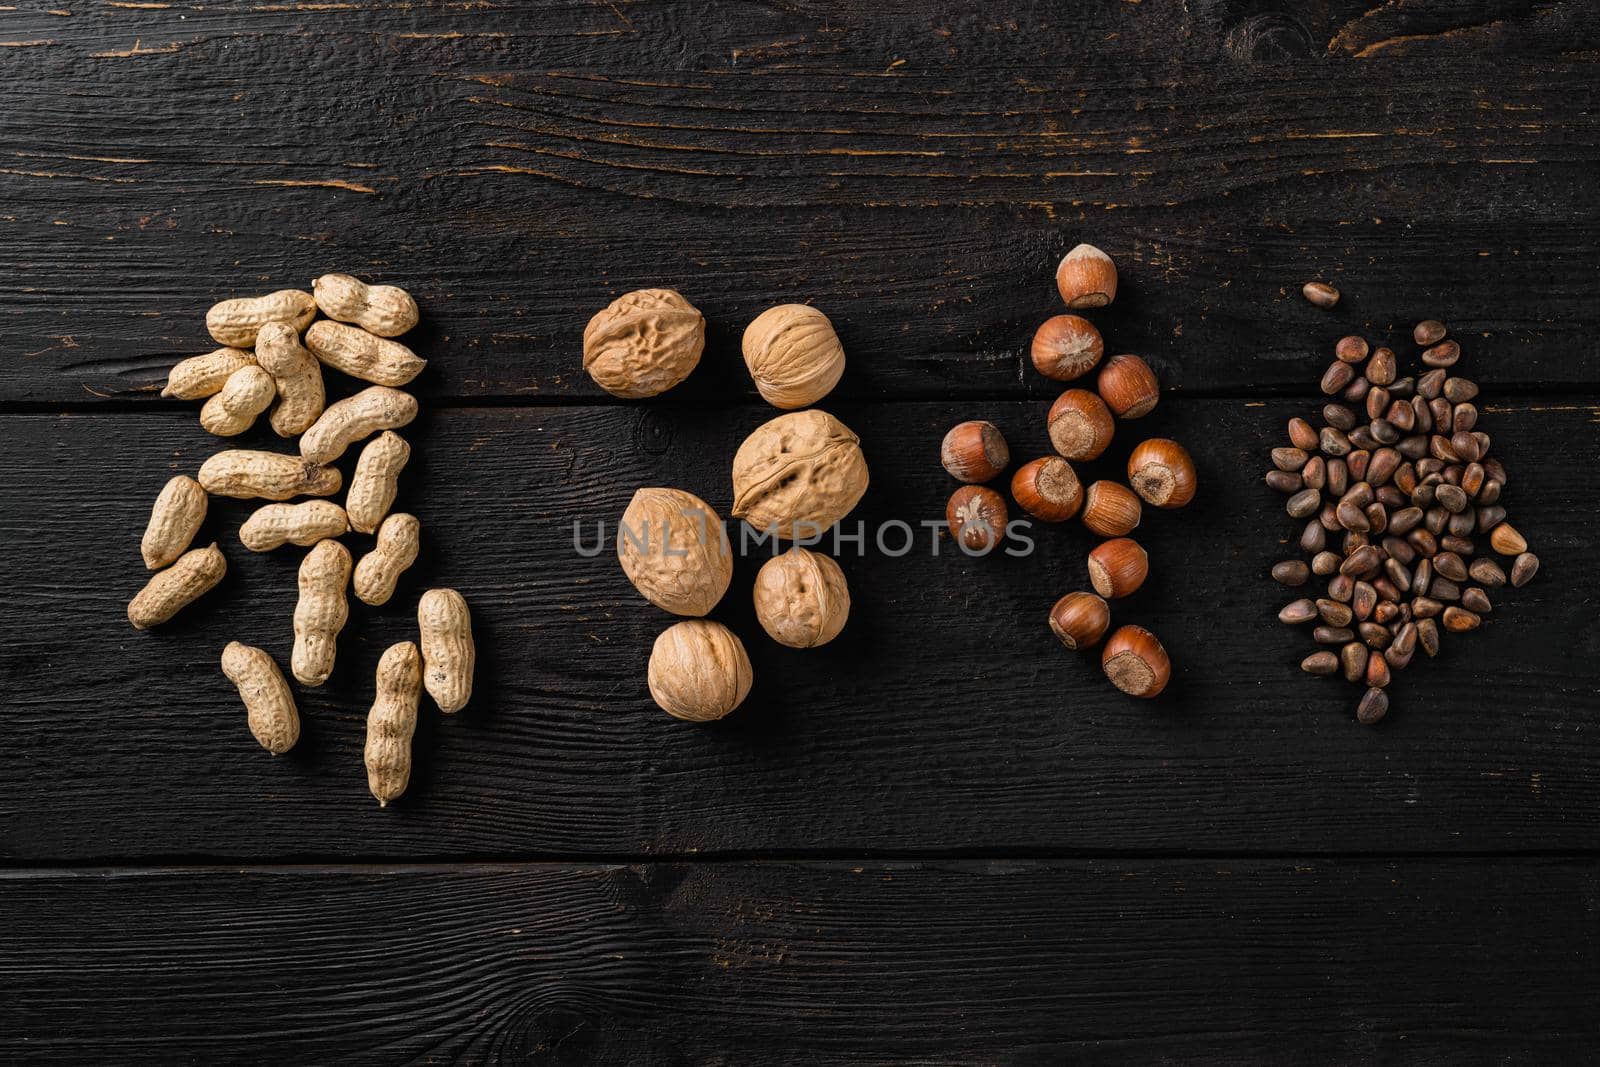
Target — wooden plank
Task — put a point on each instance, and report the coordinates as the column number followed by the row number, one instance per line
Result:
column 519, row 169
column 946, row 716
column 1467, row 961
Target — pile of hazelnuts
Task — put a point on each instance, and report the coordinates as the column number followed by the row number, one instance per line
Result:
column 1080, row 426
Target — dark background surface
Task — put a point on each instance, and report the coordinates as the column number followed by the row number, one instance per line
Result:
column 941, row 838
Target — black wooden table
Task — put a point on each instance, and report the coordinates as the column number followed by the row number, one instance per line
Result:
column 941, row 838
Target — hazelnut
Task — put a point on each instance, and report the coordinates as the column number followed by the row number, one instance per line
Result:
column 1162, row 473
column 1135, row 662
column 1080, row 620
column 1128, row 386
column 1110, row 509
column 974, row 451
column 674, row 550
column 1087, row 278
column 977, row 518
column 802, row 599
column 793, row 355
column 1080, row 425
column 798, row 474
column 1118, row 567
column 643, row 343
column 1048, row 489
column 699, row 671
column 1067, row 347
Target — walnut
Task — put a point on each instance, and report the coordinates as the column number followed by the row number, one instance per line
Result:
column 643, row 343
column 699, row 671
column 802, row 599
column 793, row 355
column 674, row 550
column 798, row 474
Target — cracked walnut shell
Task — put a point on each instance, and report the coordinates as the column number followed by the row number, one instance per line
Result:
column 793, row 355
column 802, row 599
column 674, row 550
column 798, row 474
column 643, row 343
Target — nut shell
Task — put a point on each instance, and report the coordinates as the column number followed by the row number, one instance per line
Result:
column 175, row 518
column 1080, row 425
column 268, row 702
column 297, row 376
column 1048, row 489
column 353, row 351
column 643, row 343
column 236, row 322
column 977, row 518
column 1162, row 473
column 304, row 524
column 1111, row 509
column 1086, row 278
column 381, row 310
column 198, row 377
column 168, row 592
column 449, row 654
column 355, row 418
column 798, row 474
column 1136, row 663
column 1129, row 387
column 802, row 599
column 245, row 474
column 376, row 480
column 974, row 451
column 233, row 410
column 1080, row 620
column 399, row 539
column 673, row 548
column 321, row 612
column 793, row 355
column 1067, row 347
column 1118, row 567
column 699, row 671
column 392, row 721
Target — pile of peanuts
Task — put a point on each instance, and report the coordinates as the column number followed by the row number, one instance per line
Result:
column 264, row 360
column 1080, row 425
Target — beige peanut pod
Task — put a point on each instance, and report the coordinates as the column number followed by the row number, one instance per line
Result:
column 303, row 524
column 353, row 351
column 175, row 518
column 297, row 375
column 448, row 654
column 247, row 393
column 321, row 612
column 373, row 486
column 236, row 322
column 170, row 591
column 269, row 706
column 356, row 418
column 384, row 310
column 392, row 721
column 379, row 570
column 247, row 475
column 198, row 377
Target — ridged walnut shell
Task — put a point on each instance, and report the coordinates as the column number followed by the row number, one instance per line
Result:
column 699, row 671
column 802, row 599
column 674, row 550
column 793, row 355
column 643, row 343
column 798, row 474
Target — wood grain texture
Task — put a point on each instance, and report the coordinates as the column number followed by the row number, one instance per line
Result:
column 773, row 963
column 946, row 717
column 915, row 170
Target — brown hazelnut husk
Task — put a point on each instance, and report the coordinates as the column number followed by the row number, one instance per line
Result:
column 1128, row 386
column 1118, row 567
column 1111, row 509
column 974, row 451
column 1080, row 620
column 1048, row 489
column 1161, row 471
column 1086, row 278
column 1080, row 425
column 1135, row 662
column 977, row 518
column 1067, row 347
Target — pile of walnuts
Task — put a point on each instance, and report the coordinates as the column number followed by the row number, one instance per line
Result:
column 793, row 478
column 264, row 361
